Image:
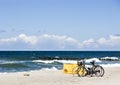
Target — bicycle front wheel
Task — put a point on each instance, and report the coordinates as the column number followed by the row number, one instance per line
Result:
column 99, row 71
column 75, row 71
column 82, row 72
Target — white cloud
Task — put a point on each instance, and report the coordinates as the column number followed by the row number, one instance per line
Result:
column 45, row 42
column 8, row 40
column 113, row 40
column 28, row 39
column 88, row 42
column 57, row 42
column 102, row 41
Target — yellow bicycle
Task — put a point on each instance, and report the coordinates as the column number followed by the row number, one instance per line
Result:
column 80, row 69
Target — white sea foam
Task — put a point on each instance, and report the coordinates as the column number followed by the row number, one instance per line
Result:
column 65, row 61
column 92, row 59
column 49, row 69
column 11, row 62
column 52, row 61
column 110, row 58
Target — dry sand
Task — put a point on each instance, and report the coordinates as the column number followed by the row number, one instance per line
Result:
column 111, row 77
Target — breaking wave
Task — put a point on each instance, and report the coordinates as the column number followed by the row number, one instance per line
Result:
column 110, row 58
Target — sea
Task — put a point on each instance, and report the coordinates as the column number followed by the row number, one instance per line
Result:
column 20, row 61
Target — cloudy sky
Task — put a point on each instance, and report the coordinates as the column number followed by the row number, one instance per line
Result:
column 59, row 25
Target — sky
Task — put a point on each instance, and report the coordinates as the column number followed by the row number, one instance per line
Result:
column 60, row 25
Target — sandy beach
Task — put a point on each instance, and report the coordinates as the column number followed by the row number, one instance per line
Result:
column 111, row 77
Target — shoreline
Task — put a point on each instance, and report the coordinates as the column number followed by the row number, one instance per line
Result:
column 111, row 77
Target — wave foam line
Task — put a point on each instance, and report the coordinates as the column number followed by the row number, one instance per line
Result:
column 110, row 58
column 65, row 61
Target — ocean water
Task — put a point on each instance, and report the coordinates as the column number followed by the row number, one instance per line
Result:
column 18, row 61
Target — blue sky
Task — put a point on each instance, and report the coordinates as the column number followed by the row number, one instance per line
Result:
column 78, row 20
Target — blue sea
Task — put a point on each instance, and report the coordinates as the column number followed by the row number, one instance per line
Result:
column 19, row 61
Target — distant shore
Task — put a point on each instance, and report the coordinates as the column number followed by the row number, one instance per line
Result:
column 111, row 77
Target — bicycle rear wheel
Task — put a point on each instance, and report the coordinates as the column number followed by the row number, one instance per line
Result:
column 99, row 71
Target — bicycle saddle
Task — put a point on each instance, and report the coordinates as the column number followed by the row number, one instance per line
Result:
column 92, row 62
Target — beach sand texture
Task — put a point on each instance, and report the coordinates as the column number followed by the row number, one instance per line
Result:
column 111, row 77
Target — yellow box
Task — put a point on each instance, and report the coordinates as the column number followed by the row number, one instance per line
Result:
column 67, row 68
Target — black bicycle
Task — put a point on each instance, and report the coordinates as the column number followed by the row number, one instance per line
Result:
column 81, row 70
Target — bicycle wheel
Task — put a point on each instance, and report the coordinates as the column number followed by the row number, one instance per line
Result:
column 99, row 71
column 75, row 71
column 82, row 72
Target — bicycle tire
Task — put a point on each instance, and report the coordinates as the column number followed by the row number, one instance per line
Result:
column 99, row 71
column 82, row 71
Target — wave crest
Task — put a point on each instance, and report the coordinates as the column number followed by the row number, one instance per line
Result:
column 110, row 58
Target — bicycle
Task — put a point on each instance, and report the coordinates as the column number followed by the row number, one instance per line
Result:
column 96, row 70
column 81, row 70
